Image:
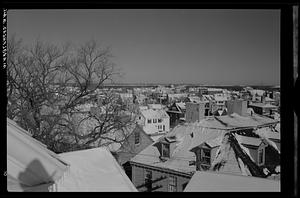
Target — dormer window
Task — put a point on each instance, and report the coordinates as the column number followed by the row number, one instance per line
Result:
column 136, row 138
column 261, row 156
column 165, row 150
column 205, row 158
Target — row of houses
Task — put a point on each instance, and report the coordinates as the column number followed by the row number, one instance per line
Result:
column 237, row 144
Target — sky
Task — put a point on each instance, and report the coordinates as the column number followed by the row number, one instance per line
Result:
column 211, row 47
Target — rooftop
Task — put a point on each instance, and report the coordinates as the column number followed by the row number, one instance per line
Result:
column 221, row 182
column 94, row 170
column 179, row 158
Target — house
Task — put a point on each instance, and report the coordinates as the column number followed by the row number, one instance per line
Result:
column 176, row 111
column 33, row 167
column 167, row 164
column 220, row 100
column 137, row 141
column 248, row 133
column 235, row 149
column 208, row 181
column 263, row 109
column 154, row 121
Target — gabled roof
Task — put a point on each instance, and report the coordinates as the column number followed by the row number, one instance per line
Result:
column 234, row 158
column 204, row 135
column 252, row 141
column 94, row 170
column 150, row 113
column 220, row 182
column 29, row 163
column 181, row 105
column 179, row 157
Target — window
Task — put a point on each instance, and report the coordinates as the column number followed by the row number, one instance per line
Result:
column 159, row 127
column 205, row 158
column 261, row 156
column 149, row 121
column 172, row 184
column 165, row 150
column 159, row 120
column 148, row 175
column 148, row 180
column 136, row 138
column 154, row 120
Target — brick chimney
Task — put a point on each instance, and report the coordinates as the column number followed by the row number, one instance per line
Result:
column 237, row 106
column 195, row 111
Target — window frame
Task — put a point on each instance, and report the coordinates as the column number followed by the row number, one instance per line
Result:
column 205, row 161
column 167, row 148
column 172, row 185
column 137, row 137
column 262, row 152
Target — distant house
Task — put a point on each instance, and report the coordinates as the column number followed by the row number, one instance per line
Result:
column 176, row 112
column 154, row 121
column 220, row 100
column 263, row 109
column 32, row 167
column 220, row 182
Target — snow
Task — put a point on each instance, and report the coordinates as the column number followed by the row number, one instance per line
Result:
column 94, row 170
column 206, row 181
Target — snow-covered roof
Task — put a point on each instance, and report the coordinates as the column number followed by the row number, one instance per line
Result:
column 151, row 113
column 253, row 141
column 236, row 120
column 267, row 99
column 94, row 170
column 204, row 135
column 195, row 99
column 179, row 157
column 206, row 181
column 220, row 97
column 155, row 106
column 263, row 105
column 181, row 105
column 30, row 165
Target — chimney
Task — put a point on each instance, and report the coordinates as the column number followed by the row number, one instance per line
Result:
column 237, row 106
column 195, row 111
column 263, row 99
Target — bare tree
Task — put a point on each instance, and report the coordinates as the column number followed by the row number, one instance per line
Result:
column 47, row 84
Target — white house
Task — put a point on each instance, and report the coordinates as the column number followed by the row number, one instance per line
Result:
column 154, row 121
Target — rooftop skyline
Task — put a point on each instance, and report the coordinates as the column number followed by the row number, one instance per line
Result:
column 218, row 47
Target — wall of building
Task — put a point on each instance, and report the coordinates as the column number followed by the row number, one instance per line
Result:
column 151, row 128
column 237, row 106
column 138, row 179
column 194, row 111
column 129, row 149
